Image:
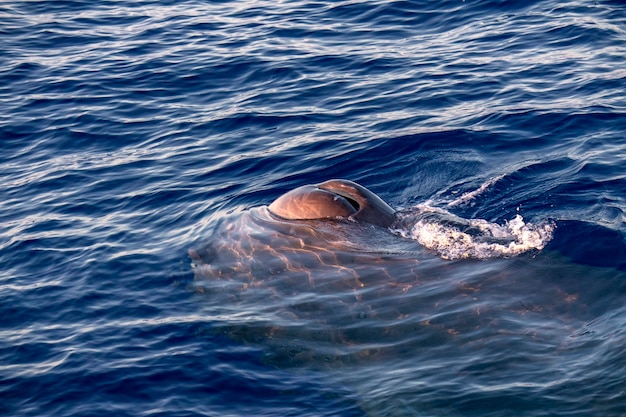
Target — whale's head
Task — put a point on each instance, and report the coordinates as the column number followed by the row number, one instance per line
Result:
column 333, row 198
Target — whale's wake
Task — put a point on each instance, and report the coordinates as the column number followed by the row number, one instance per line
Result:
column 453, row 237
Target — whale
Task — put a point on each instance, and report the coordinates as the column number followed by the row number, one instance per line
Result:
column 337, row 198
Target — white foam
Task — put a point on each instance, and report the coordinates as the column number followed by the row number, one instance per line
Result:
column 455, row 238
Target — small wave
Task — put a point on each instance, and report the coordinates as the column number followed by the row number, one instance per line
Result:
column 453, row 237
column 465, row 198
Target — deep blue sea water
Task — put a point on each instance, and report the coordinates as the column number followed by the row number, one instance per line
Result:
column 143, row 276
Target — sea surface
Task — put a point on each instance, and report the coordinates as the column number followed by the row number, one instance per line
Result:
column 143, row 275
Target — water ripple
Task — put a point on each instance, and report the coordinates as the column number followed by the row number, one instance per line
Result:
column 133, row 132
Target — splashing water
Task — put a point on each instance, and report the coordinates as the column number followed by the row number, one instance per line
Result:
column 453, row 237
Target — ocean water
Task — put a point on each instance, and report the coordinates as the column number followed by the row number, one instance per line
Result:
column 142, row 274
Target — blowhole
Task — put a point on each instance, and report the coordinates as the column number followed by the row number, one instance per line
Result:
column 353, row 203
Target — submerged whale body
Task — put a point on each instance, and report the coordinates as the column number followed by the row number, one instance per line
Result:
column 331, row 199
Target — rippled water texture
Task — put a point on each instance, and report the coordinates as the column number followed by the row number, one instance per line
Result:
column 143, row 275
